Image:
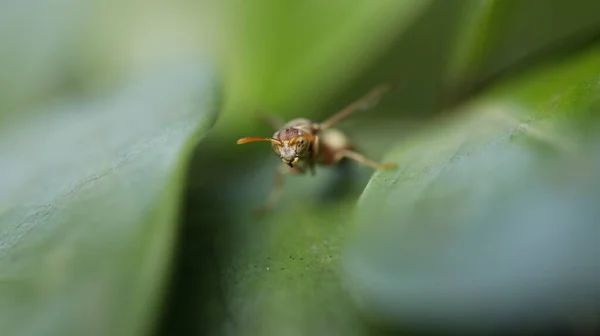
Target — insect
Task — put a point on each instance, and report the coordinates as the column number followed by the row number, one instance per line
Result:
column 303, row 144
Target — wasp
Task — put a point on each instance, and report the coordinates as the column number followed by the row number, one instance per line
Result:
column 303, row 144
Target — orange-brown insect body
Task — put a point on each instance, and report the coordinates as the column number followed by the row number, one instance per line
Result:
column 302, row 144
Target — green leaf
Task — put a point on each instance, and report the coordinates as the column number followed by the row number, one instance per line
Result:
column 512, row 31
column 286, row 57
column 89, row 199
column 244, row 275
column 491, row 219
column 36, row 38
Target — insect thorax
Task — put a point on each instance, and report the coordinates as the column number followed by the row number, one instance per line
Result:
column 295, row 128
column 334, row 139
column 299, row 123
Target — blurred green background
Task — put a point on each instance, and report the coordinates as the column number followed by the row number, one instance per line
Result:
column 126, row 206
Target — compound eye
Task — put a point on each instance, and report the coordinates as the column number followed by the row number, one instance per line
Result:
column 301, row 143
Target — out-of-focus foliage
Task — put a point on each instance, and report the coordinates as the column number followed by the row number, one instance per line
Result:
column 97, row 121
column 496, row 34
column 286, row 57
column 53, row 47
column 90, row 194
column 94, row 143
column 490, row 218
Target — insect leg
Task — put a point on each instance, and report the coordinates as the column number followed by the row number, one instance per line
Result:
column 312, row 168
column 364, row 102
column 277, row 189
column 363, row 160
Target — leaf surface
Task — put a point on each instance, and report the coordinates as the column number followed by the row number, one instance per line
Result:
column 89, row 199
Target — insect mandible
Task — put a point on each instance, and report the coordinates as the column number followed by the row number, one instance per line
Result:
column 303, row 144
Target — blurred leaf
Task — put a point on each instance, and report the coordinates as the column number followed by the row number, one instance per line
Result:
column 50, row 47
column 488, row 222
column 89, row 198
column 286, row 58
column 419, row 68
column 509, row 31
column 135, row 40
column 287, row 279
column 241, row 275
column 36, row 38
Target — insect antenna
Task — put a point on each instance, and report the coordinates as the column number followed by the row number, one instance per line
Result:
column 254, row 139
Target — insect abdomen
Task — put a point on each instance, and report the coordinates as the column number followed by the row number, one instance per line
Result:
column 331, row 142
